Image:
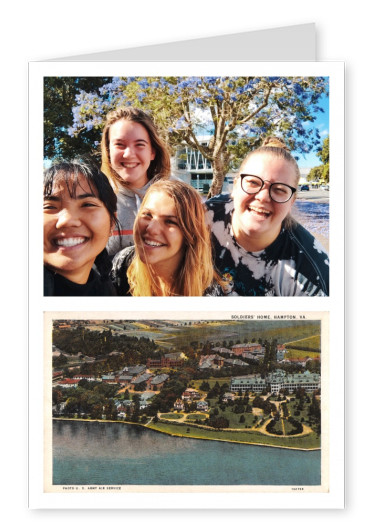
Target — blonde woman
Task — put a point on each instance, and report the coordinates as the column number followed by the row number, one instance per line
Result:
column 260, row 250
column 172, row 255
column 134, row 156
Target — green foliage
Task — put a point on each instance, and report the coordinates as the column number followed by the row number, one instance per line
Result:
column 59, row 98
column 59, row 361
column 94, row 344
column 236, row 111
column 323, row 153
column 218, row 422
column 204, row 386
column 321, row 173
column 140, row 386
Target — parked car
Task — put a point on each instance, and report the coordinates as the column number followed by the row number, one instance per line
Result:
column 304, row 188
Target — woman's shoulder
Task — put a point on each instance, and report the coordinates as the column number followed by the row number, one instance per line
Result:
column 311, row 257
column 48, row 282
column 218, row 200
column 219, row 208
column 120, row 264
column 57, row 285
column 123, row 257
column 307, row 241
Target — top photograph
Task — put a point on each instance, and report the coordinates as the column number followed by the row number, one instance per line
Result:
column 186, row 186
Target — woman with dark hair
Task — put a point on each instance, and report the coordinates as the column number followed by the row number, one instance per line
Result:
column 260, row 249
column 134, row 157
column 172, row 255
column 79, row 214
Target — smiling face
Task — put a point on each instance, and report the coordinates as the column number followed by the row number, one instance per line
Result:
column 131, row 152
column 257, row 220
column 76, row 230
column 158, row 236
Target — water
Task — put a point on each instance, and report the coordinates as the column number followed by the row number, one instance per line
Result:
column 90, row 453
column 315, row 218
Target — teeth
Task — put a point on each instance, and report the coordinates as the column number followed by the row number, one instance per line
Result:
column 130, row 165
column 70, row 242
column 260, row 211
column 153, row 244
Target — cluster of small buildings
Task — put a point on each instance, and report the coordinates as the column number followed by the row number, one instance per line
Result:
column 246, row 351
column 299, row 361
column 123, row 406
column 276, row 380
column 189, row 396
column 214, row 361
column 129, row 376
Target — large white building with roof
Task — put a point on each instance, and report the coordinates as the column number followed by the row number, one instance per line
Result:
column 277, row 380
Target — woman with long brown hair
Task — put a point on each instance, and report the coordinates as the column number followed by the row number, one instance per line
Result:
column 172, row 255
column 134, row 156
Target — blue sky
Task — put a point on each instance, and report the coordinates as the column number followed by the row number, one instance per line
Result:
column 322, row 123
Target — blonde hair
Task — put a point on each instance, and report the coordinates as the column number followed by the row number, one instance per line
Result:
column 159, row 168
column 196, row 272
column 275, row 147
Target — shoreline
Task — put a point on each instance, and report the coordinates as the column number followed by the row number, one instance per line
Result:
column 188, row 436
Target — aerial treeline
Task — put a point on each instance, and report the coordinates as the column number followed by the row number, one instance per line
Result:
column 87, row 400
column 97, row 344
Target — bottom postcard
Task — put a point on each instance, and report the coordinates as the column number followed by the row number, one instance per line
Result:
column 180, row 403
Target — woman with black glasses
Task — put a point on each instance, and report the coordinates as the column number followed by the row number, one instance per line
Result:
column 260, row 249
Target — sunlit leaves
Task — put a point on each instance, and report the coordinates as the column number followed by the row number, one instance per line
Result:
column 234, row 110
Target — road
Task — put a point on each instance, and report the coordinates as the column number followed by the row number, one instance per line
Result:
column 315, row 196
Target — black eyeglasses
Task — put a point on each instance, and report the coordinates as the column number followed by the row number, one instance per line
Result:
column 279, row 192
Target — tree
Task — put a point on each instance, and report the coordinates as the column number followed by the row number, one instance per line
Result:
column 236, row 112
column 218, row 422
column 136, row 408
column 57, row 396
column 126, row 394
column 140, row 386
column 321, row 172
column 110, row 410
column 60, row 361
column 204, row 386
column 59, row 98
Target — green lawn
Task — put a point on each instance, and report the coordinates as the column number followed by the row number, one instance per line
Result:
column 293, row 353
column 195, row 384
column 172, row 416
column 308, row 442
column 196, row 416
column 234, row 418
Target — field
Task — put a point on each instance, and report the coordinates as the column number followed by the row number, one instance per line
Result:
column 301, row 354
column 238, row 332
column 310, row 343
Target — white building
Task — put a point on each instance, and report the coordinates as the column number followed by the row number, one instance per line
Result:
column 192, row 167
column 277, row 380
